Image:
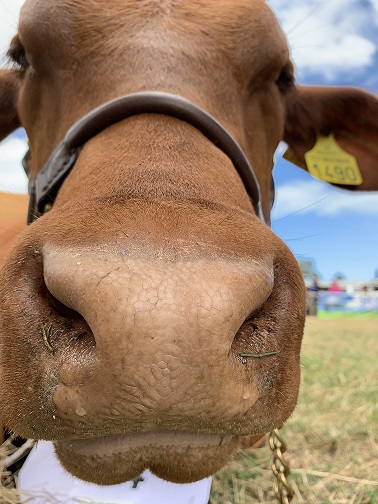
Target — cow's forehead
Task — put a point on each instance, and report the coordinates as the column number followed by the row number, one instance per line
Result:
column 207, row 8
column 229, row 21
column 217, row 12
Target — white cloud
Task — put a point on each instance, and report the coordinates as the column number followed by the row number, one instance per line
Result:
column 9, row 11
column 375, row 5
column 12, row 176
column 329, row 37
column 312, row 196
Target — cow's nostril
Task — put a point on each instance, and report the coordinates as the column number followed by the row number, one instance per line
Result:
column 61, row 309
column 255, row 337
column 67, row 328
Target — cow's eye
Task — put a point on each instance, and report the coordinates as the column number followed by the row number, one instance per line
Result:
column 286, row 80
column 17, row 56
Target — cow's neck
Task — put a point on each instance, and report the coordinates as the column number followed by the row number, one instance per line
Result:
column 162, row 158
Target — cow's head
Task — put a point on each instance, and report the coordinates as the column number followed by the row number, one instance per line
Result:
column 126, row 310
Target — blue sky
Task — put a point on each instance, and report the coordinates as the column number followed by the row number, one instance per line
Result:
column 334, row 42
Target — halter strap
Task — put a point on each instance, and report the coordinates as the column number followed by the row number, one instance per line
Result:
column 45, row 186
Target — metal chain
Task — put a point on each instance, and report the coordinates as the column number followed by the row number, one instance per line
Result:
column 283, row 491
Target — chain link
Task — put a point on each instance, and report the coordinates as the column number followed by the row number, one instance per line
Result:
column 281, row 469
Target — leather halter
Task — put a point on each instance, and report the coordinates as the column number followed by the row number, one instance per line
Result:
column 45, row 186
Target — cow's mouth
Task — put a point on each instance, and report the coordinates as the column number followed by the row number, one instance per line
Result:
column 179, row 457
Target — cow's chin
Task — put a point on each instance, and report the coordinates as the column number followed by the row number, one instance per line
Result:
column 176, row 457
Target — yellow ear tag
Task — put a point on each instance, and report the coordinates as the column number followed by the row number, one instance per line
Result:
column 328, row 161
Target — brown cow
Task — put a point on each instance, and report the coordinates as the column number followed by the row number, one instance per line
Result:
column 12, row 220
column 127, row 309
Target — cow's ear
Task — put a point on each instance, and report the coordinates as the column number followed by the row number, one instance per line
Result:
column 9, row 89
column 351, row 114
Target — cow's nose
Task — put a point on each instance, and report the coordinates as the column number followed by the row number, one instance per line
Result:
column 160, row 329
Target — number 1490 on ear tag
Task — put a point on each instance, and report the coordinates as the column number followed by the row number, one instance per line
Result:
column 329, row 162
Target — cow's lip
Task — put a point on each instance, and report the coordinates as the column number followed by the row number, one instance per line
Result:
column 110, row 445
column 179, row 457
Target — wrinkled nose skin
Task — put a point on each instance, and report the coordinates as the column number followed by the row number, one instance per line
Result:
column 130, row 357
column 157, row 336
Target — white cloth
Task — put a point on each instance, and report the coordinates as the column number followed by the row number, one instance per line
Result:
column 47, row 481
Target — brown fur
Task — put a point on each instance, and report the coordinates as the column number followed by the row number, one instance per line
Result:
column 9, row 87
column 152, row 271
column 12, row 220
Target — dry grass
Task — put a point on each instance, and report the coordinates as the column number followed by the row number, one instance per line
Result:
column 333, row 435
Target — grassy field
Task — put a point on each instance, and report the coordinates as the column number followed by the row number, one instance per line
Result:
column 333, row 435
